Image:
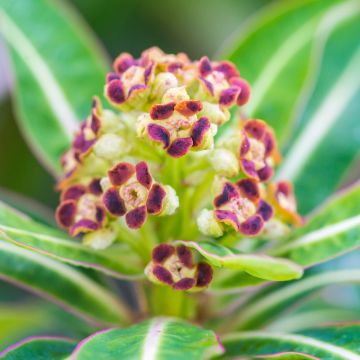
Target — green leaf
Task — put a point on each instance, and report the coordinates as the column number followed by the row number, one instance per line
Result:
column 270, row 302
column 23, row 231
column 332, row 230
column 327, row 141
column 287, row 356
column 156, row 339
column 39, row 348
column 279, row 70
column 61, row 284
column 258, row 265
column 58, row 67
column 340, row 343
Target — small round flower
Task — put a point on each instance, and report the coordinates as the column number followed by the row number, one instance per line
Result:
column 131, row 192
column 81, row 210
column 175, row 266
column 240, row 206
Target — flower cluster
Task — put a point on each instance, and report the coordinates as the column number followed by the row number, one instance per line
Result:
column 167, row 107
column 175, row 266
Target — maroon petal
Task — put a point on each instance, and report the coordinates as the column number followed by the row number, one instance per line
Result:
column 95, row 187
column 73, row 192
column 180, row 147
column 185, row 256
column 204, row 274
column 136, row 218
column 136, row 89
column 100, row 214
column 148, row 72
column 155, row 200
column 162, row 252
column 245, row 146
column 114, row 90
column 248, row 167
column 265, row 210
column 175, row 66
column 163, row 275
column 285, row 188
column 228, row 192
column 162, row 111
column 265, row 173
column 121, row 173
column 269, row 142
column 143, row 174
column 65, row 213
column 199, row 130
column 205, row 67
column 159, row 133
column 228, row 96
column 244, row 87
column 123, row 62
column 189, row 107
column 184, row 284
column 113, row 203
column 252, row 226
column 83, row 226
column 228, row 217
column 249, row 188
column 228, row 69
column 255, row 128
column 81, row 144
column 112, row 76
column 208, row 86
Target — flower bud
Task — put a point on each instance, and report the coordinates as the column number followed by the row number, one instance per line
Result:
column 110, row 147
column 100, row 239
column 208, row 225
column 224, row 162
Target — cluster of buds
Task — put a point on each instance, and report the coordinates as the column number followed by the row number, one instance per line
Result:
column 166, row 106
column 175, row 266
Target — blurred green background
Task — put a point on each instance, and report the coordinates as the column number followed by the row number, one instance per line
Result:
column 195, row 27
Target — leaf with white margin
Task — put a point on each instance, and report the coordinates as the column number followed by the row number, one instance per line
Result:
column 61, row 284
column 331, row 231
column 334, row 343
column 23, row 231
column 56, row 72
column 258, row 265
column 156, row 339
column 39, row 348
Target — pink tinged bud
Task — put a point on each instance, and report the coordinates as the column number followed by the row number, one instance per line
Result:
column 228, row 69
column 249, row 188
column 269, row 142
column 265, row 210
column 189, row 107
column 228, row 217
column 252, row 226
column 248, row 167
column 136, row 218
column 162, row 111
column 228, row 96
column 207, row 85
column 175, row 66
column 205, row 67
column 184, row 284
column 136, row 90
column 95, row 187
column 114, row 90
column 163, row 275
column 65, row 213
column 143, row 175
column 162, row 252
column 83, row 226
column 204, row 274
column 112, row 76
column 123, row 62
column 244, row 87
column 229, row 192
column 155, row 201
column 265, row 173
column 160, row 134
column 245, row 146
column 113, row 203
column 148, row 73
column 255, row 128
column 81, row 144
column 199, row 130
column 185, row 256
column 180, row 147
column 121, row 173
column 73, row 192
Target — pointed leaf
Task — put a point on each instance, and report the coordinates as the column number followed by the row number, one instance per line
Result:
column 60, row 283
column 258, row 265
column 156, row 339
column 58, row 67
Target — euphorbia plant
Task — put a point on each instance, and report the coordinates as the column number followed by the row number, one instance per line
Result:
column 170, row 182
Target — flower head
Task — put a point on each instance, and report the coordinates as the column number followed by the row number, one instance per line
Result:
column 131, row 192
column 175, row 266
column 81, row 209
